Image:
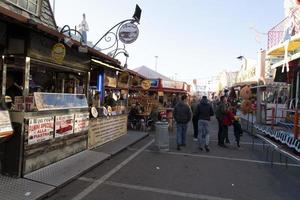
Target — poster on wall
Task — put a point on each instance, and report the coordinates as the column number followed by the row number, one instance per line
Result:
column 5, row 125
column 64, row 125
column 81, row 122
column 40, row 129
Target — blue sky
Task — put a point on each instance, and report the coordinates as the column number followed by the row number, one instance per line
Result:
column 193, row 38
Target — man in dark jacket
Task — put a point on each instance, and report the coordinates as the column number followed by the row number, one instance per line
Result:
column 182, row 115
column 204, row 112
column 220, row 113
column 194, row 105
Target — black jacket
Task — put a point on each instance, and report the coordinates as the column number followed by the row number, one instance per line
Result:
column 204, row 110
column 182, row 113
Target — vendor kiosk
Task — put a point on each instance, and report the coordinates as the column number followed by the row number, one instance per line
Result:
column 47, row 106
column 108, row 103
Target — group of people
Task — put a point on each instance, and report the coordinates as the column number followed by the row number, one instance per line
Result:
column 200, row 112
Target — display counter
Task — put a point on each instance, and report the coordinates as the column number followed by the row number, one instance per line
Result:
column 55, row 129
column 106, row 128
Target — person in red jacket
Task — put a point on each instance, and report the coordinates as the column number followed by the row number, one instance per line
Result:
column 227, row 121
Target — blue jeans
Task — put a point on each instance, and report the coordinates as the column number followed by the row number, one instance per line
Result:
column 203, row 133
column 181, row 133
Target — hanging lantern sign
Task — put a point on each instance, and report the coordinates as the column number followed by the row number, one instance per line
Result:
column 58, row 52
column 146, row 84
column 128, row 33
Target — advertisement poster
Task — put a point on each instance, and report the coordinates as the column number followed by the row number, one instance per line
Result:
column 40, row 129
column 81, row 122
column 5, row 125
column 64, row 125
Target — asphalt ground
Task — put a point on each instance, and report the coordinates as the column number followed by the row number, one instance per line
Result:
column 140, row 172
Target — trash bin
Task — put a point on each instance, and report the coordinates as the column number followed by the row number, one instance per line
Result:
column 162, row 135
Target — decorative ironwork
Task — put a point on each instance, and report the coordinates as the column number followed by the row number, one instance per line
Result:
column 111, row 41
column 69, row 30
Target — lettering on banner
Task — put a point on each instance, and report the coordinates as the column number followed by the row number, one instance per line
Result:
column 81, row 122
column 40, row 129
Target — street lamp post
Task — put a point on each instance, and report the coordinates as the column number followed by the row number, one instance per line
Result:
column 156, row 58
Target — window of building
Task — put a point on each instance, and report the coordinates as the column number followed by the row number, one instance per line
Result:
column 31, row 6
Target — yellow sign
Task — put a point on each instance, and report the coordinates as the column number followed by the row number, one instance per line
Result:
column 146, row 84
column 58, row 52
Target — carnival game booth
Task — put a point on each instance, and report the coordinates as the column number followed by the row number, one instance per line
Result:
column 108, row 103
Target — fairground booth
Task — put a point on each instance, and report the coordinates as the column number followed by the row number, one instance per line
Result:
column 45, row 77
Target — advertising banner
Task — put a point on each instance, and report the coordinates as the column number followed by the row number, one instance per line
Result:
column 81, row 122
column 64, row 125
column 40, row 129
column 5, row 125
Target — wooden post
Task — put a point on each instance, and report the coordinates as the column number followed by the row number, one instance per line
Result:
column 273, row 117
column 296, row 124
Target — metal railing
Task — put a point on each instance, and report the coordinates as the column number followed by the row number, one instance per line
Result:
column 276, row 34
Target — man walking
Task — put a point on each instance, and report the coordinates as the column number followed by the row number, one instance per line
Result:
column 204, row 112
column 195, row 118
column 220, row 113
column 182, row 115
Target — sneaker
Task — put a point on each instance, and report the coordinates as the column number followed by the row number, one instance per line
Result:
column 206, row 148
column 227, row 142
column 178, row 148
column 200, row 148
column 195, row 139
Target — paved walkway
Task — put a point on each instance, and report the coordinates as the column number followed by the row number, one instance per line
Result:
column 140, row 172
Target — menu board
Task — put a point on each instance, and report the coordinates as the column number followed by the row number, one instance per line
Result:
column 5, row 125
column 81, row 122
column 64, row 125
column 110, row 81
column 40, row 129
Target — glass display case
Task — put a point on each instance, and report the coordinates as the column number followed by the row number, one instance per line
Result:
column 59, row 101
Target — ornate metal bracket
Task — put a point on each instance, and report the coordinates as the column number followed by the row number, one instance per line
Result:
column 113, row 46
column 67, row 29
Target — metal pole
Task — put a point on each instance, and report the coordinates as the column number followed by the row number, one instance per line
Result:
column 4, row 76
column 53, row 8
column 26, row 76
column 156, row 58
column 297, row 90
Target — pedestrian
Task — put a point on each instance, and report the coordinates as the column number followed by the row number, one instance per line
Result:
column 227, row 121
column 203, row 112
column 220, row 113
column 182, row 116
column 237, row 129
column 194, row 105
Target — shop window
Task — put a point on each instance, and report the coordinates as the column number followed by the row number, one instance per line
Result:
column 31, row 6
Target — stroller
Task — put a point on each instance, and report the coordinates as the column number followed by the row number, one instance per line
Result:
column 237, row 129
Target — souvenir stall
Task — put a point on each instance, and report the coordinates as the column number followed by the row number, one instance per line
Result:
column 108, row 103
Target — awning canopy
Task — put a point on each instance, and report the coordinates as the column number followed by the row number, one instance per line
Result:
column 292, row 45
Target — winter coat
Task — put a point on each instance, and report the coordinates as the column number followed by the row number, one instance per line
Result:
column 228, row 118
column 194, row 107
column 221, row 110
column 204, row 110
column 182, row 113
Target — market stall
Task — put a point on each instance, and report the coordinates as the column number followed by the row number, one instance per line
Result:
column 109, row 89
column 47, row 103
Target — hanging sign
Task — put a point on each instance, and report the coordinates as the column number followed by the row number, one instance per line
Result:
column 146, row 84
column 81, row 122
column 64, row 125
column 40, row 129
column 128, row 33
column 5, row 125
column 58, row 52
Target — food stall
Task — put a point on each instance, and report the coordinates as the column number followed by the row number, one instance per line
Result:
column 109, row 118
column 48, row 108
